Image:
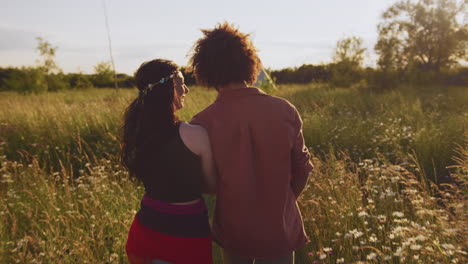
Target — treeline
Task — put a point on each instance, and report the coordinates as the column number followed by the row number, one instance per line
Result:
column 345, row 76
column 34, row 80
column 37, row 80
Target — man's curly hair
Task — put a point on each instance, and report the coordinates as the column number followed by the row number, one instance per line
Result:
column 223, row 56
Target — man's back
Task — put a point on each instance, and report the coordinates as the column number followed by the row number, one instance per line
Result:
column 263, row 166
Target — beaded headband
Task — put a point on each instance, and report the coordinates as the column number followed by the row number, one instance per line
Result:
column 150, row 86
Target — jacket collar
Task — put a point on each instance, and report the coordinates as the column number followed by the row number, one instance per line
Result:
column 234, row 93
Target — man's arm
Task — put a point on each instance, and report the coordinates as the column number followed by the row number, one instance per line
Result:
column 300, row 159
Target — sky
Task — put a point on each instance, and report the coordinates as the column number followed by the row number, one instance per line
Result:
column 286, row 33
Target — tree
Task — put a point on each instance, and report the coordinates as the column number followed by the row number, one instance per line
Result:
column 348, row 59
column 103, row 74
column 349, row 50
column 423, row 35
column 47, row 52
column 55, row 79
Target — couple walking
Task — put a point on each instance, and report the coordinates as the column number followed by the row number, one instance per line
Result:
column 247, row 148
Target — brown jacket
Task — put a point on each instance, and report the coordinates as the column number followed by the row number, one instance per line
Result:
column 263, row 166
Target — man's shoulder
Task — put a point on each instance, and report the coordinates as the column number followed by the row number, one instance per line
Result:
column 209, row 110
column 204, row 116
column 281, row 102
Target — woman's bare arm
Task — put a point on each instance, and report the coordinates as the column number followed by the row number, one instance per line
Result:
column 207, row 161
column 197, row 140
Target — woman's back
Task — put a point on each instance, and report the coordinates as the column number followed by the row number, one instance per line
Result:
column 173, row 172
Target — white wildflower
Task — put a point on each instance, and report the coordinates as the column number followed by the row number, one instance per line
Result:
column 448, row 246
column 356, row 233
column 398, row 214
column 421, row 238
column 371, row 256
column 398, row 252
column 382, row 218
column 452, row 231
column 415, row 247
column 362, row 214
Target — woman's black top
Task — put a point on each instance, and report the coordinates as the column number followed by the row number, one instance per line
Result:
column 174, row 173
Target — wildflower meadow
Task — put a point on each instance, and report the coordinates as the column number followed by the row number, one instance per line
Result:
column 388, row 185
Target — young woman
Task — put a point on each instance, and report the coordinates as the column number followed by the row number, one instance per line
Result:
column 173, row 159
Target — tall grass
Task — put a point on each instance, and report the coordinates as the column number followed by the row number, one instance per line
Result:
column 65, row 198
column 70, row 128
column 57, row 218
column 377, row 212
column 428, row 123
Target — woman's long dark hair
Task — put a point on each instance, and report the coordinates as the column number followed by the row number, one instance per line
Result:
column 150, row 119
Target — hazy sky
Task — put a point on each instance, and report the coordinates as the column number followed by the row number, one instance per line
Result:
column 287, row 33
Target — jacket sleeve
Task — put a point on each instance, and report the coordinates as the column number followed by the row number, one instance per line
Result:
column 300, row 158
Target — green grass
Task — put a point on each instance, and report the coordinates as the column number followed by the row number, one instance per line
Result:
column 65, row 198
column 428, row 123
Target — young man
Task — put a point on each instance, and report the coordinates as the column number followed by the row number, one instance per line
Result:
column 258, row 149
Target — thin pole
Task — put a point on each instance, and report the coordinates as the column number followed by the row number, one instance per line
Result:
column 110, row 44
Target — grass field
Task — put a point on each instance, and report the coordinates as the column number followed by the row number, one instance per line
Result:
column 371, row 198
